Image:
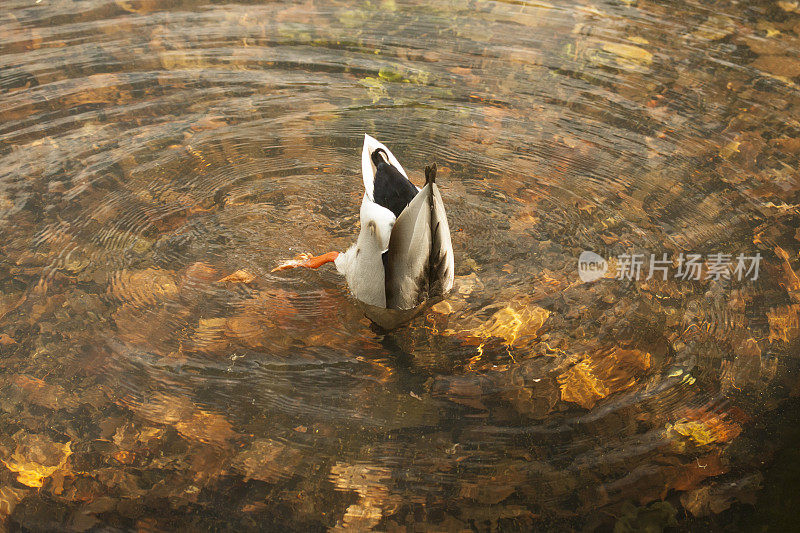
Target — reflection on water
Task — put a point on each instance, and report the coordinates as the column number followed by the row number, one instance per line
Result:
column 159, row 158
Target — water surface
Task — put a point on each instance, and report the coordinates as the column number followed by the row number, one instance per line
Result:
column 159, row 158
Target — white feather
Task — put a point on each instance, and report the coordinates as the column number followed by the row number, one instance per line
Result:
column 382, row 217
column 368, row 168
column 362, row 263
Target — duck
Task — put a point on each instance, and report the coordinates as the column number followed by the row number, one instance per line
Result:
column 403, row 257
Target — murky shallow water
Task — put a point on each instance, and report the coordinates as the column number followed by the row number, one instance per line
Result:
column 150, row 149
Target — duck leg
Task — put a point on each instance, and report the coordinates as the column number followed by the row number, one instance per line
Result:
column 307, row 261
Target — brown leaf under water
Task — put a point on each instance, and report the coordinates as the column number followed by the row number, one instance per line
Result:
column 702, row 428
column 493, row 490
column 784, row 323
column 157, row 328
column 784, row 66
column 192, row 422
column 717, row 498
column 200, row 272
column 36, row 457
column 790, row 278
column 148, row 286
column 208, row 123
column 787, row 144
column 715, row 27
column 240, row 276
column 9, row 498
column 209, row 336
column 579, row 385
column 463, row 390
column 652, row 480
column 139, row 7
column 369, row 482
column 267, row 460
column 602, row 374
column 512, row 323
column 39, row 392
column 247, row 329
column 206, row 427
column 691, row 474
column 531, row 396
column 9, row 302
column 628, row 52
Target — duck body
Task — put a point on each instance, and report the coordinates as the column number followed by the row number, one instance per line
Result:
column 403, row 257
column 404, row 254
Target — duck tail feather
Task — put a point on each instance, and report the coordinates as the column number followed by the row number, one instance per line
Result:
column 430, row 174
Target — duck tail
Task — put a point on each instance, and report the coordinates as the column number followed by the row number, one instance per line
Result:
column 439, row 268
column 430, row 174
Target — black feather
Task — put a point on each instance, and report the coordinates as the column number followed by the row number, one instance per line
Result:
column 433, row 257
column 392, row 189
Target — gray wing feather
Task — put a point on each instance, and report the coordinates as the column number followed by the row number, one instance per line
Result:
column 419, row 262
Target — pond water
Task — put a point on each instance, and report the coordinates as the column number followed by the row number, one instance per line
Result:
column 159, row 158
